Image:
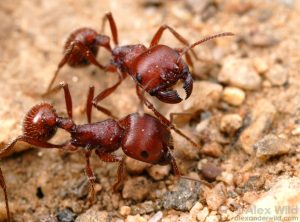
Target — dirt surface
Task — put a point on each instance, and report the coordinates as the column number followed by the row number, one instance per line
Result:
column 245, row 106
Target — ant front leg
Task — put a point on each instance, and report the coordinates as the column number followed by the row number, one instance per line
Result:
column 113, row 28
column 159, row 33
column 3, row 186
column 111, row 158
column 90, row 103
column 32, row 141
column 161, row 118
column 105, row 93
column 85, row 51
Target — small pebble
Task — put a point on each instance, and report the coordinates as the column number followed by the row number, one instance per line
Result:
column 210, row 171
column 183, row 197
column 260, row 65
column 170, row 218
column 240, row 73
column 259, row 38
column 183, row 147
column 136, row 188
column 271, row 145
column 66, row 215
column 135, row 166
column 233, row 96
column 201, row 216
column 213, row 149
column 135, row 218
column 156, row 217
column 158, row 172
column 195, row 210
column 250, row 196
column 296, row 131
column 277, row 75
column 284, row 195
column 125, row 210
column 92, row 215
column 226, row 177
column 263, row 115
column 216, row 196
column 230, row 123
column 212, row 218
column 205, row 96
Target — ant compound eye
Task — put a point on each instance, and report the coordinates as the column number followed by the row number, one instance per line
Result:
column 176, row 68
column 139, row 78
column 144, row 154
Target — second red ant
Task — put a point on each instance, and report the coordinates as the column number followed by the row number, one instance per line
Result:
column 141, row 136
column 155, row 69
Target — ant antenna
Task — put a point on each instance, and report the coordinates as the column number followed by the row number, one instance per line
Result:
column 205, row 39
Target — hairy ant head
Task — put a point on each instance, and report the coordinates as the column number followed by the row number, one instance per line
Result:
column 40, row 122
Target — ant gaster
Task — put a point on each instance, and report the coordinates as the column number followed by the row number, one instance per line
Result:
column 155, row 69
column 141, row 136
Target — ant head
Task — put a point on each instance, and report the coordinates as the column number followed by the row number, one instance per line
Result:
column 40, row 122
column 159, row 70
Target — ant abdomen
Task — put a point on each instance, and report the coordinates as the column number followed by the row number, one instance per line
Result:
column 40, row 122
column 145, row 138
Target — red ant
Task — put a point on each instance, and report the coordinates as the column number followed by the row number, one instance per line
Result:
column 155, row 69
column 141, row 136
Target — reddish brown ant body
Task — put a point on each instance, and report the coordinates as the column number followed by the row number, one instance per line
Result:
column 141, row 136
column 155, row 69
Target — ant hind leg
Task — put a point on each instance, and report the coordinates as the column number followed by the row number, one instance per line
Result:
column 91, row 177
column 111, row 158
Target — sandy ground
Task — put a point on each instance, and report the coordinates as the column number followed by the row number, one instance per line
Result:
column 42, row 184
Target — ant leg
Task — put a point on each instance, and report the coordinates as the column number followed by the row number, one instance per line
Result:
column 177, row 172
column 3, row 186
column 106, row 93
column 32, row 141
column 91, row 177
column 113, row 28
column 89, row 104
column 121, row 169
column 161, row 118
column 85, row 51
column 108, row 157
column 111, row 158
column 174, row 164
column 159, row 33
column 68, row 99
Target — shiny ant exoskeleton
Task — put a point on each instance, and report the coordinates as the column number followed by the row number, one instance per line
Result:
column 141, row 136
column 155, row 69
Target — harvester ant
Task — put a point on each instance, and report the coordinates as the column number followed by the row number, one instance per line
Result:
column 155, row 69
column 141, row 136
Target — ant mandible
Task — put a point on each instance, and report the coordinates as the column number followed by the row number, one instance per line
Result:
column 155, row 69
column 141, row 136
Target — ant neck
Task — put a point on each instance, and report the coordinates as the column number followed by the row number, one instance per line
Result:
column 65, row 123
